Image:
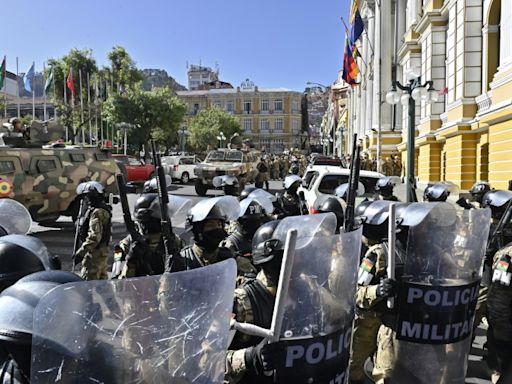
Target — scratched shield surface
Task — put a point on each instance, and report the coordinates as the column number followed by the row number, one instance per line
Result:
column 167, row 328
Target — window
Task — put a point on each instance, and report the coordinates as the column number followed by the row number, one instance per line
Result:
column 308, row 177
column 7, row 167
column 77, row 157
column 330, row 182
column 134, row 162
column 235, row 156
column 196, row 109
column 247, row 106
column 264, row 105
column 278, row 126
column 187, row 160
column 230, row 106
column 295, row 106
column 278, row 105
column 217, row 104
column 295, row 127
column 44, row 166
column 101, row 156
column 248, row 125
column 264, row 126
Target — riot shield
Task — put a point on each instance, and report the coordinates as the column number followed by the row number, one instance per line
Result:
column 319, row 309
column 171, row 328
column 438, row 293
column 15, row 218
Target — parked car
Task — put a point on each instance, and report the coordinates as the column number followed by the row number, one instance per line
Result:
column 181, row 167
column 323, row 180
column 136, row 170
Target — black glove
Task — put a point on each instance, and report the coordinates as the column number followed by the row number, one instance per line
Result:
column 263, row 357
column 386, row 288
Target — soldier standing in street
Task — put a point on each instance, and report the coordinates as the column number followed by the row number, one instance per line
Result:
column 94, row 232
column 263, row 171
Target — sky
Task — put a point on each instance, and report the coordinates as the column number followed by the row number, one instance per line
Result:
column 275, row 43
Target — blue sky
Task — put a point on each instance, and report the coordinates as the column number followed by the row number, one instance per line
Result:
column 275, row 43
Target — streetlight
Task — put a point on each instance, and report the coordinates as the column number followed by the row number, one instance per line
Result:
column 183, row 133
column 412, row 92
column 221, row 138
column 125, row 127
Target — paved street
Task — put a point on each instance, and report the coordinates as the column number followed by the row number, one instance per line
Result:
column 59, row 240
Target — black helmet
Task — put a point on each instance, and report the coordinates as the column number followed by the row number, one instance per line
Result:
column 224, row 208
column 479, row 189
column 21, row 255
column 263, row 243
column 385, row 185
column 361, row 208
column 60, row 277
column 90, row 188
column 332, row 204
column 245, row 192
column 292, row 182
column 147, row 207
column 497, row 200
column 294, row 169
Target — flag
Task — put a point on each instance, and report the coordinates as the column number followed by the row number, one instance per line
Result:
column 350, row 68
column 2, row 74
column 28, row 76
column 443, row 91
column 355, row 51
column 48, row 85
column 357, row 27
column 69, row 82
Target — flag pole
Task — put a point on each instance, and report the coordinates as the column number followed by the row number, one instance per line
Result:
column 5, row 87
column 44, row 93
column 348, row 34
column 65, row 97
column 33, row 92
column 18, row 87
column 81, row 105
column 89, row 108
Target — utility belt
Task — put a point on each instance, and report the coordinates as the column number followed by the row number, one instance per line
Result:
column 368, row 313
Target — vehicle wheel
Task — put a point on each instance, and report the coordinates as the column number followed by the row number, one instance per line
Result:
column 200, row 188
column 185, row 178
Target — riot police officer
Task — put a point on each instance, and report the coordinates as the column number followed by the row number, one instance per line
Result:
column 289, row 203
column 207, row 220
column 334, row 205
column 245, row 192
column 384, row 188
column 95, row 232
column 16, row 321
column 478, row 190
column 254, row 303
column 439, row 192
column 252, row 215
column 145, row 256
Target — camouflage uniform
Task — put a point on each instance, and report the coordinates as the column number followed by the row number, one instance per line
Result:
column 499, row 306
column 368, row 317
column 387, row 168
column 242, row 249
column 284, row 166
column 397, row 166
column 243, row 311
column 262, row 176
column 94, row 249
column 275, row 169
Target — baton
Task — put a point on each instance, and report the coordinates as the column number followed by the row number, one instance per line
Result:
column 391, row 249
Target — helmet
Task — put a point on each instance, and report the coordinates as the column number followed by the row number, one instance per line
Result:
column 151, row 185
column 21, row 255
column 147, row 207
column 245, row 192
column 292, row 182
column 17, row 306
column 332, row 204
column 385, row 185
column 294, row 169
column 496, row 200
column 90, row 188
column 479, row 189
column 252, row 210
column 361, row 208
column 224, row 208
column 375, row 223
column 264, row 246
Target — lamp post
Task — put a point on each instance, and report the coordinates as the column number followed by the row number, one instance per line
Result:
column 221, row 139
column 412, row 92
column 125, row 127
column 183, row 133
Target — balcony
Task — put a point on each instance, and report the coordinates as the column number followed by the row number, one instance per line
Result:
column 484, row 102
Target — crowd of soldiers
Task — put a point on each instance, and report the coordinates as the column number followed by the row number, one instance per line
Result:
column 244, row 230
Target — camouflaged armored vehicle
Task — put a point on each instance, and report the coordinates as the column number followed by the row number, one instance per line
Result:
column 240, row 164
column 44, row 177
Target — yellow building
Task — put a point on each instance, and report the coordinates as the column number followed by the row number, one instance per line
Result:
column 270, row 118
column 465, row 48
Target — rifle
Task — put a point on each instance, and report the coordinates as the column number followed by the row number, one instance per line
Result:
column 165, row 221
column 78, row 229
column 128, row 221
column 355, row 165
column 496, row 240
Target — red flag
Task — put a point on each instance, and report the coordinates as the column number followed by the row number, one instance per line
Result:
column 69, row 82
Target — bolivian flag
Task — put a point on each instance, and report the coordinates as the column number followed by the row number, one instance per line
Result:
column 350, row 67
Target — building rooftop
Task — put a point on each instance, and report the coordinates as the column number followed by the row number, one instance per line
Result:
column 232, row 91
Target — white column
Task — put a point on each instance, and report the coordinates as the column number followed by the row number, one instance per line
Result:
column 387, row 46
column 376, row 67
column 369, row 37
column 506, row 35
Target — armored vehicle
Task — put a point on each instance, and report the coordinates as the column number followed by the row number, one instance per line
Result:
column 240, row 164
column 44, row 177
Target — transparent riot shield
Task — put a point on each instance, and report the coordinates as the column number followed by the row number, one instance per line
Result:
column 15, row 218
column 171, row 328
column 319, row 309
column 438, row 293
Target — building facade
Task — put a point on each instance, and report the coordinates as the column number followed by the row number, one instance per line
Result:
column 199, row 75
column 270, row 118
column 465, row 48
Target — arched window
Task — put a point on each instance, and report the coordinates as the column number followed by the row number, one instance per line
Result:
column 492, row 36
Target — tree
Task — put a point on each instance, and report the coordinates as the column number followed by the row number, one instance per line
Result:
column 122, row 69
column 205, row 128
column 153, row 113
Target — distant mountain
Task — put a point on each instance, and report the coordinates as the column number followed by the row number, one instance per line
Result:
column 159, row 78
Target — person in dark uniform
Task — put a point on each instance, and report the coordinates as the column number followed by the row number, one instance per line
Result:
column 289, row 203
column 384, row 188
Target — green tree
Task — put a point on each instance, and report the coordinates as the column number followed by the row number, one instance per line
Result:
column 154, row 114
column 207, row 125
column 122, row 69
